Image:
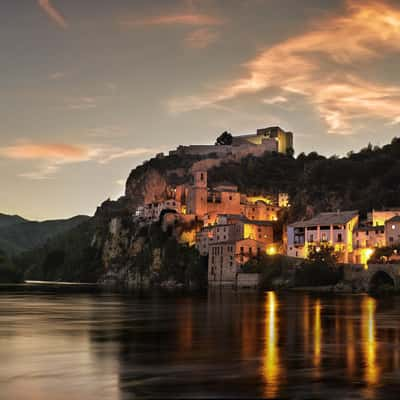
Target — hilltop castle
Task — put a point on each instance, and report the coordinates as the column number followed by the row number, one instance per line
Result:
column 265, row 139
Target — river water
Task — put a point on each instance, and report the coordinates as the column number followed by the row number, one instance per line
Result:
column 221, row 344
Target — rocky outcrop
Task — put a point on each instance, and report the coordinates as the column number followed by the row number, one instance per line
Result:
column 145, row 188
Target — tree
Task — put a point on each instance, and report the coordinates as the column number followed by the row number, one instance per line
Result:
column 290, row 152
column 225, row 139
column 323, row 254
column 320, row 268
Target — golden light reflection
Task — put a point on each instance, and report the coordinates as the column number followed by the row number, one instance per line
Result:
column 186, row 327
column 350, row 349
column 317, row 333
column 369, row 340
column 306, row 324
column 271, row 369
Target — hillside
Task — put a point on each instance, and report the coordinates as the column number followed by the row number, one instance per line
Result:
column 18, row 235
column 8, row 220
column 110, row 242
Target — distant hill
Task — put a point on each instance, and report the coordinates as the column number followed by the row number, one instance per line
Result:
column 18, row 235
column 8, row 220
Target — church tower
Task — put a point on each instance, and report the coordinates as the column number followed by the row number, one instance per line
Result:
column 197, row 203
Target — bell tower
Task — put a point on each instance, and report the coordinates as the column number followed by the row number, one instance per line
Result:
column 198, row 194
column 200, row 179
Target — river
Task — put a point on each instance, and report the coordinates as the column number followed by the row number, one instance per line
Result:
column 63, row 346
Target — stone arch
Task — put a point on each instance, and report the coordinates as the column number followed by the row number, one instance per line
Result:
column 381, row 278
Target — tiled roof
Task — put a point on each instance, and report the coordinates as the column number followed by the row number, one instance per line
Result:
column 369, row 228
column 327, row 218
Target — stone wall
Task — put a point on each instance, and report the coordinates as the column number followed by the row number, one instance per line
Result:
column 248, row 280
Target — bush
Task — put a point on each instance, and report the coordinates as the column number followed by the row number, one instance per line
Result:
column 270, row 268
column 317, row 274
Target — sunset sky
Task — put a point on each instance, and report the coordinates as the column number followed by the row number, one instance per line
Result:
column 90, row 89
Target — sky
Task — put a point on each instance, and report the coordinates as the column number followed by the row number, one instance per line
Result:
column 90, row 89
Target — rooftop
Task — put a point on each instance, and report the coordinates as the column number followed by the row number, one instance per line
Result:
column 394, row 219
column 245, row 220
column 327, row 218
column 369, row 228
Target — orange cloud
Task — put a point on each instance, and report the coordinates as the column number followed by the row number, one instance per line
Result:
column 51, row 156
column 55, row 152
column 174, row 19
column 318, row 65
column 201, row 38
column 55, row 15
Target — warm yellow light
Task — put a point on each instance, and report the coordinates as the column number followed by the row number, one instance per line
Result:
column 271, row 369
column 368, row 253
column 271, row 251
column 248, row 231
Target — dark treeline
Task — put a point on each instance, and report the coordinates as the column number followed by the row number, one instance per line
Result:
column 364, row 180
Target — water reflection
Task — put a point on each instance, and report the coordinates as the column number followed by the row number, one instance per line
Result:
column 271, row 369
column 368, row 307
column 351, row 341
column 317, row 335
column 220, row 344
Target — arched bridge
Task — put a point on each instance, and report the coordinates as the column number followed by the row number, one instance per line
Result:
column 376, row 275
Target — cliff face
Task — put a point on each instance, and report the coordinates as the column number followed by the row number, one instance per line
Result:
column 145, row 188
column 138, row 256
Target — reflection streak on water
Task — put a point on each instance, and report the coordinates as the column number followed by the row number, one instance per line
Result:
column 369, row 340
column 317, row 333
column 271, row 370
column 350, row 348
column 306, row 323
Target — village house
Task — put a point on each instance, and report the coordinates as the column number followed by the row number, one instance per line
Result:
column 225, row 259
column 151, row 212
column 378, row 218
column 365, row 240
column 333, row 228
column 392, row 231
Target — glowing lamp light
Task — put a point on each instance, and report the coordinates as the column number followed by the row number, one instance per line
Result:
column 368, row 253
column 271, row 251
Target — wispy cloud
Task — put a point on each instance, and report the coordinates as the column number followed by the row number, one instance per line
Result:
column 56, row 152
column 201, row 38
column 275, row 100
column 56, row 76
column 115, row 153
column 53, row 13
column 192, row 19
column 111, row 131
column 82, row 103
column 320, row 65
column 50, row 157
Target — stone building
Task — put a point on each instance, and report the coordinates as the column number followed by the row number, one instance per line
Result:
column 333, row 228
column 365, row 240
column 378, row 218
column 265, row 139
column 226, row 258
column 392, row 231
